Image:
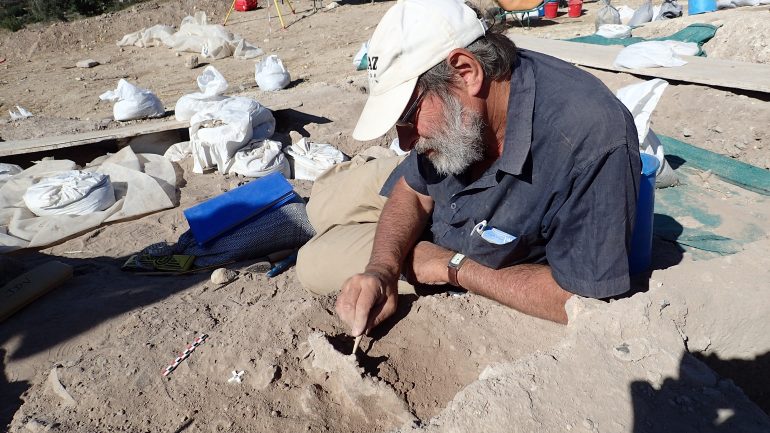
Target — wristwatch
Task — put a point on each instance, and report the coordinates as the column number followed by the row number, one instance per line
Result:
column 454, row 266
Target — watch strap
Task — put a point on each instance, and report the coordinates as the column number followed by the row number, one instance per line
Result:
column 453, row 266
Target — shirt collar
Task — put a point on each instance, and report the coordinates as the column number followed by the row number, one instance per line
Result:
column 521, row 106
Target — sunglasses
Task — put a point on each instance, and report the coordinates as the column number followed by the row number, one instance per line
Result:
column 406, row 120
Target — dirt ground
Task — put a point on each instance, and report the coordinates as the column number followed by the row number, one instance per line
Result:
column 108, row 335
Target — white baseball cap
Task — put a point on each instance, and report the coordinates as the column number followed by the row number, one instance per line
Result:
column 412, row 37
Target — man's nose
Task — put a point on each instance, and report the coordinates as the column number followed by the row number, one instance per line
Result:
column 407, row 137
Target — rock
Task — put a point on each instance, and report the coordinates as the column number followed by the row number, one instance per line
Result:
column 686, row 132
column 191, row 62
column 295, row 136
column 223, row 276
column 718, row 129
column 332, row 5
column 89, row 63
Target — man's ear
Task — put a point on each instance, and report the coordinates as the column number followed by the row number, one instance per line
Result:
column 468, row 69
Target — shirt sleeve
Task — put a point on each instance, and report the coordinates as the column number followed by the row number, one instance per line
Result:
column 410, row 170
column 590, row 233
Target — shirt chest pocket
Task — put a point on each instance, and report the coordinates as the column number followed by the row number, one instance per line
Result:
column 495, row 248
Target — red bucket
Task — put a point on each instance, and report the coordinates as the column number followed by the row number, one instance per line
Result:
column 245, row 5
column 575, row 8
column 551, row 9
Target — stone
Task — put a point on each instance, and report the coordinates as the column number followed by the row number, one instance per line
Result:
column 191, row 62
column 686, row 132
column 223, row 276
column 295, row 136
column 89, row 63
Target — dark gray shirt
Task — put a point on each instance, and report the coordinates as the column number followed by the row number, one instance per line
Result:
column 564, row 190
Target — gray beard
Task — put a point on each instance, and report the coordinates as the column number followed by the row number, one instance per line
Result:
column 459, row 142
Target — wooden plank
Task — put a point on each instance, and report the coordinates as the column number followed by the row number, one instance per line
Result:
column 699, row 70
column 20, row 147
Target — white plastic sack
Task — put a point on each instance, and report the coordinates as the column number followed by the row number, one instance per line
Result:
column 150, row 37
column 21, row 113
column 606, row 14
column 642, row 15
column 654, row 54
column 132, row 102
column 260, row 158
column 178, row 151
column 223, row 128
column 626, row 13
column 725, row 4
column 665, row 176
column 360, row 60
column 8, row 170
column 72, row 192
column 641, row 100
column 270, row 74
column 614, row 31
column 212, row 86
column 197, row 36
column 740, row 3
column 312, row 159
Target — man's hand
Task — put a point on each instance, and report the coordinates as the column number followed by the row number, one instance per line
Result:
column 366, row 300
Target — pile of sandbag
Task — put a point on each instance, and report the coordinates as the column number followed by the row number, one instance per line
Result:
column 229, row 133
column 212, row 41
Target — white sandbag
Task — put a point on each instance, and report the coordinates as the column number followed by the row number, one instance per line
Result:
column 312, row 159
column 270, row 74
column 20, row 113
column 72, row 192
column 606, row 15
column 154, row 36
column 642, row 15
column 244, row 50
column 132, row 102
column 212, row 86
column 223, row 128
column 614, row 31
column 683, row 48
column 8, row 170
column 626, row 13
column 260, row 158
column 649, row 54
column 178, row 151
column 360, row 60
column 641, row 100
column 195, row 35
column 740, row 3
column 725, row 4
column 665, row 175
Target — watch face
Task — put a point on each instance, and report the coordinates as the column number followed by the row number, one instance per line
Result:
column 456, row 259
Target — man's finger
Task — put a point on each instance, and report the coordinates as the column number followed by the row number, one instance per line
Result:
column 346, row 303
column 367, row 299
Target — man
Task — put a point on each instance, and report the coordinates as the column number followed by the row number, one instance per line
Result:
column 520, row 186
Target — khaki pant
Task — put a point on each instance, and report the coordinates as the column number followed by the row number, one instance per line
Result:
column 344, row 208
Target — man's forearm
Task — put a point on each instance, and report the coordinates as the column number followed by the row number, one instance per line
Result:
column 401, row 223
column 528, row 288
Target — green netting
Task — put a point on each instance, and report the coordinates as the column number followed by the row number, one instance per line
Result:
column 698, row 33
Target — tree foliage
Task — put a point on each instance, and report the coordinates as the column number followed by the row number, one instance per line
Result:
column 14, row 14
